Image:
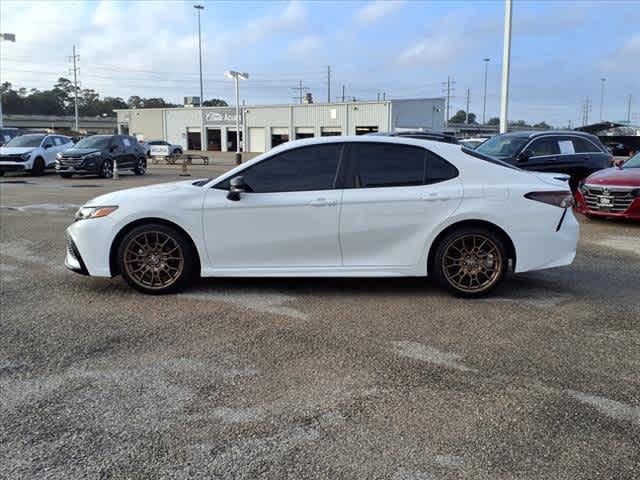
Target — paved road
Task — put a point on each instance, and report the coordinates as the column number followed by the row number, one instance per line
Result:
column 336, row 379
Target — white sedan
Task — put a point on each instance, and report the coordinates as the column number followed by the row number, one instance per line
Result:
column 333, row 207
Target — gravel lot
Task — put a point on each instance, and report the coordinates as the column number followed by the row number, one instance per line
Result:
column 313, row 378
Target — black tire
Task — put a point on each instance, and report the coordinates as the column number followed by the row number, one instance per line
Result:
column 141, row 259
column 66, row 175
column 141, row 166
column 177, row 151
column 468, row 253
column 38, row 167
column 106, row 169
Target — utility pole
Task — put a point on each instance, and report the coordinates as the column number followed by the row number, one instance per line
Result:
column 586, row 107
column 384, row 96
column 602, row 81
column 629, row 109
column 328, row 83
column 203, row 132
column 74, row 59
column 506, row 59
column 448, row 89
column 484, row 103
column 466, row 120
column 343, row 93
column 378, row 96
column 5, row 37
column 301, row 91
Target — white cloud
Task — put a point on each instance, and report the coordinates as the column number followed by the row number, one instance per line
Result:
column 375, row 11
column 307, row 45
column 625, row 58
column 437, row 49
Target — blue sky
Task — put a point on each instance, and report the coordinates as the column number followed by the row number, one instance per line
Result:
column 560, row 50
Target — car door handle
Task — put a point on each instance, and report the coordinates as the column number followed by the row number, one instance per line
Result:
column 434, row 197
column 322, row 202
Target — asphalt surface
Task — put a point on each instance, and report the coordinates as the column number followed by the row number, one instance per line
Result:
column 312, row 378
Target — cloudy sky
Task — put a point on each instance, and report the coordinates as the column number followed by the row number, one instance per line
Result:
column 560, row 50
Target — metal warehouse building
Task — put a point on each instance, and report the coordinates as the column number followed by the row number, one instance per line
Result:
column 266, row 126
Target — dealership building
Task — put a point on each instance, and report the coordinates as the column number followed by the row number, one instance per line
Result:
column 266, row 126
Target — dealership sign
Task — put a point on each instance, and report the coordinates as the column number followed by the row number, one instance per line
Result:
column 225, row 116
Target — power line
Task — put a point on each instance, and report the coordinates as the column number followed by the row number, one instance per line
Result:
column 301, row 92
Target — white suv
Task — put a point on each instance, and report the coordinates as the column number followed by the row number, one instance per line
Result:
column 32, row 153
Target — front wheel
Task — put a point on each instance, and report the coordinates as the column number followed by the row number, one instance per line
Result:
column 106, row 169
column 470, row 262
column 155, row 259
column 38, row 167
column 141, row 167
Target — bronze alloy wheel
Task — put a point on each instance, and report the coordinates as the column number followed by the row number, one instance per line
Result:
column 153, row 260
column 472, row 263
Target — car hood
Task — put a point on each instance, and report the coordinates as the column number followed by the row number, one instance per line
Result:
column 81, row 151
column 15, row 150
column 140, row 194
column 629, row 177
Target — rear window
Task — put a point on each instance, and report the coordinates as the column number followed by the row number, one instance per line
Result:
column 582, row 145
column 387, row 165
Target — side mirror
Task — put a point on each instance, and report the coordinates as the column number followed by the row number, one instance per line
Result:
column 523, row 157
column 236, row 187
column 47, row 145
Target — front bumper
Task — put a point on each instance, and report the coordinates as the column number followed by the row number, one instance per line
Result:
column 89, row 246
column 61, row 168
column 73, row 261
column 13, row 166
column 631, row 213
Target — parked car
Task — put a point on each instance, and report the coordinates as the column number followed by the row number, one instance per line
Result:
column 7, row 133
column 613, row 192
column 576, row 154
column 472, row 142
column 32, row 153
column 97, row 154
column 359, row 206
column 435, row 135
column 148, row 147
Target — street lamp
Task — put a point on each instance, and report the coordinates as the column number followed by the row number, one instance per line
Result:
column 5, row 37
column 237, row 76
column 203, row 145
column 484, row 105
column 602, row 80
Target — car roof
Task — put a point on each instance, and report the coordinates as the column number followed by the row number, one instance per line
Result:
column 539, row 133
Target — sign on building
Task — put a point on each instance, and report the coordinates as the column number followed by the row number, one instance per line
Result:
column 226, row 116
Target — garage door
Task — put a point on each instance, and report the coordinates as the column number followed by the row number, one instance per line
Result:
column 257, row 140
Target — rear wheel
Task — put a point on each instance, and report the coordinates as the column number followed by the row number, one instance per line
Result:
column 106, row 169
column 38, row 167
column 470, row 261
column 156, row 259
column 141, row 167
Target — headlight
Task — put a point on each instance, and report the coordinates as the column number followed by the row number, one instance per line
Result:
column 25, row 156
column 59, row 156
column 91, row 155
column 85, row 213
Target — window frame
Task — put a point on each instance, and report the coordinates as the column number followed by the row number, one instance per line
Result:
column 556, row 138
column 338, row 178
column 597, row 149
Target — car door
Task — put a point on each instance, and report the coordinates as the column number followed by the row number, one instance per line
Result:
column 288, row 218
column 541, row 155
column 129, row 156
column 118, row 152
column 394, row 196
column 48, row 150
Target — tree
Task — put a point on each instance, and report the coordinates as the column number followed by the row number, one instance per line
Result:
column 461, row 117
column 519, row 123
column 543, row 124
column 494, row 121
column 215, row 102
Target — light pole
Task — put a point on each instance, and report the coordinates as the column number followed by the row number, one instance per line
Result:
column 5, row 37
column 484, row 102
column 506, row 59
column 237, row 76
column 202, row 133
column 602, row 82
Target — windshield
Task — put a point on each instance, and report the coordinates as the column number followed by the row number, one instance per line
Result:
column 94, row 142
column 25, row 141
column 633, row 162
column 502, row 146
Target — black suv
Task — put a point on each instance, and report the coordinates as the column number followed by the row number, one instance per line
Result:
column 434, row 135
column 576, row 154
column 98, row 153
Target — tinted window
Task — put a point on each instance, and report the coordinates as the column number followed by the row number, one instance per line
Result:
column 387, row 165
column 57, row 140
column 308, row 168
column 439, row 170
column 543, row 146
column 502, row 146
column 97, row 141
column 48, row 142
column 581, row 145
column 126, row 141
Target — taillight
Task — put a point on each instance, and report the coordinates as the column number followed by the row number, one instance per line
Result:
column 562, row 199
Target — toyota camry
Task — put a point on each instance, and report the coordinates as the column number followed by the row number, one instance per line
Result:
column 333, row 207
